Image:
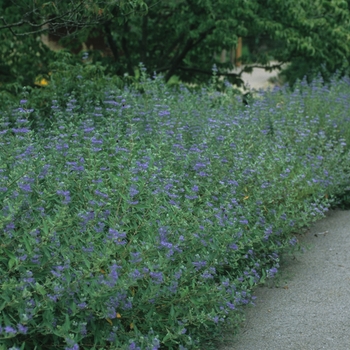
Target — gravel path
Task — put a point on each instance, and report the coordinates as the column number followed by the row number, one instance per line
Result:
column 310, row 308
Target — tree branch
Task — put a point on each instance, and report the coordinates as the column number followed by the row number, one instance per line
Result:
column 188, row 46
column 275, row 66
column 126, row 51
column 34, row 25
column 148, row 8
column 207, row 72
column 171, row 48
column 59, row 21
column 237, row 76
column 111, row 41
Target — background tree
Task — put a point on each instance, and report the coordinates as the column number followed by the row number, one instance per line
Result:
column 23, row 22
column 179, row 37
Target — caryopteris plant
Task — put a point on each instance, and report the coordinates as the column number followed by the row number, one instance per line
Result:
column 145, row 221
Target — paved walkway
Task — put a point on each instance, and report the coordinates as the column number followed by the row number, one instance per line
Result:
column 311, row 308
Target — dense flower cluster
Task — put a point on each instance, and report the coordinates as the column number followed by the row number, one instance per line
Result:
column 140, row 221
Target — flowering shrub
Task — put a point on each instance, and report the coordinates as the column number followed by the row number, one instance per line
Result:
column 145, row 221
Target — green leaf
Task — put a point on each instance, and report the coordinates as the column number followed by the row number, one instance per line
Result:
column 12, row 262
column 2, row 306
column 26, row 243
column 73, row 307
column 87, row 262
column 167, row 337
column 184, row 292
column 40, row 289
column 263, row 277
column 66, row 326
column 45, row 228
column 48, row 317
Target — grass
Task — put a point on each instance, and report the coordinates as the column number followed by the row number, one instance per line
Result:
column 146, row 220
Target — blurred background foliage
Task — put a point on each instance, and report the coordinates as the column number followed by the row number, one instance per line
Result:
column 180, row 39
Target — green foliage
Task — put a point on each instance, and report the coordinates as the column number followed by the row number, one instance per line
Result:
column 181, row 37
column 146, row 218
column 343, row 199
column 24, row 56
column 65, row 71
